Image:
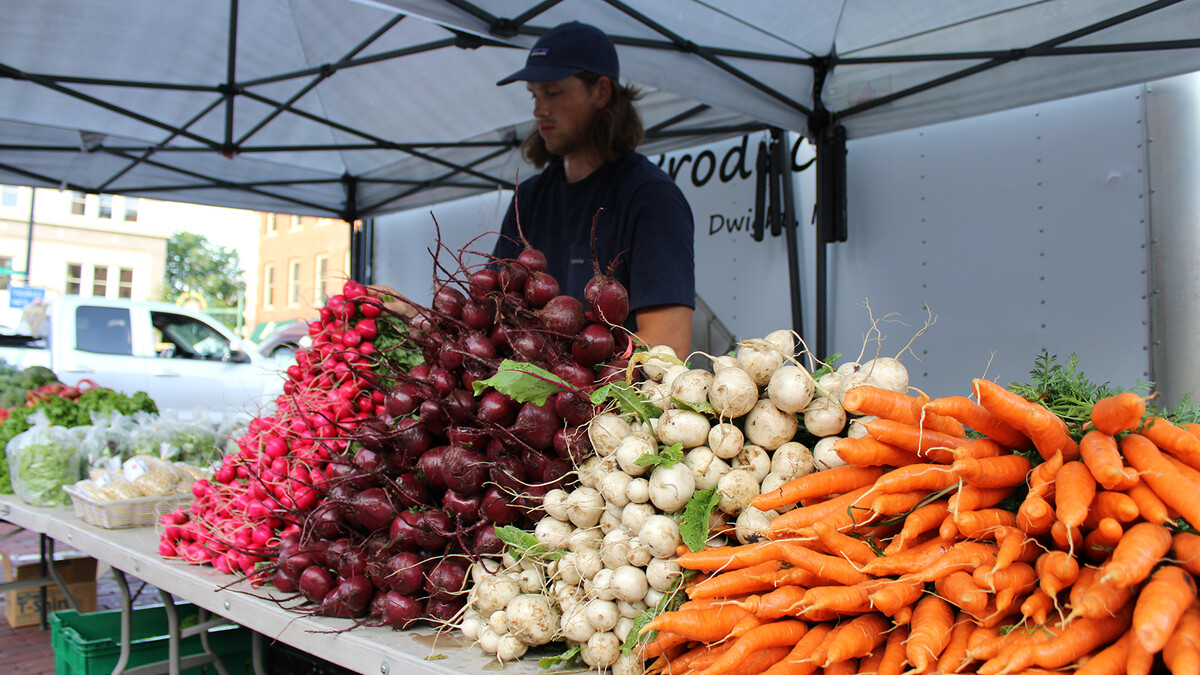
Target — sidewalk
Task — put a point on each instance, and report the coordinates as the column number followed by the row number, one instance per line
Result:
column 27, row 651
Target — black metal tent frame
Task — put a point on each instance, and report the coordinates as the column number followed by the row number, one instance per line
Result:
column 824, row 127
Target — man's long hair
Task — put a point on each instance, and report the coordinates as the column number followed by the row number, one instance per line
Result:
column 616, row 130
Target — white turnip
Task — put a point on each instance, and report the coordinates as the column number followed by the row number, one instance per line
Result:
column 602, row 614
column 588, row 562
column 768, row 426
column 824, row 417
column 733, row 393
column 654, row 367
column 582, row 539
column 601, row 650
column 752, row 524
column 606, row 431
column 790, row 460
column 575, row 626
column 671, row 487
column 661, row 535
column 824, row 455
column 754, row 459
column 584, row 507
column 671, row 374
column 706, row 467
column 552, row 532
column 555, row 503
column 857, row 427
column 692, row 386
column 791, row 388
column 494, row 592
column 737, row 489
column 614, row 549
column 510, row 648
column 726, row 440
column 722, row 362
column 887, row 373
column 632, row 448
column 489, row 641
column 613, row 487
column 685, row 427
column 629, row 583
column 759, row 359
column 662, row 574
column 532, row 618
column 634, row 515
column 638, row 490
column 639, row 553
column 498, row 621
column 629, row 664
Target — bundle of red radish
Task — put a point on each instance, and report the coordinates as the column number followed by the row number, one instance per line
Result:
column 378, row 478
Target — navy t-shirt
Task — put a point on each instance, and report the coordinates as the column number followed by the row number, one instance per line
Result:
column 643, row 218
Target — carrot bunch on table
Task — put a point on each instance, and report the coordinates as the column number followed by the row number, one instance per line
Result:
column 1025, row 547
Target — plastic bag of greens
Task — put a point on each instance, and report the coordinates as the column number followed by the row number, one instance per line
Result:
column 105, row 443
column 42, row 460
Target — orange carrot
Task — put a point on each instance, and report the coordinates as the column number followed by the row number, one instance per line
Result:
column 889, row 405
column 924, row 442
column 1160, row 604
column 1071, row 642
column 1066, row 538
column 698, row 658
column 1012, row 544
column 735, row 582
column 895, row 594
column 835, row 481
column 851, row 548
column 1056, row 570
column 893, row 652
column 845, row 506
column 1100, row 598
column 1035, row 515
column 659, row 645
column 1181, row 654
column 865, row 451
column 784, row 633
column 1076, row 488
column 760, row 661
column 983, row 523
column 1136, row 554
column 954, row 656
column 1150, row 507
column 1098, row 543
column 1112, row 504
column 1185, row 548
column 985, row 642
column 975, row 416
column 847, row 667
column 842, row 600
column 971, row 498
column 1050, row 434
column 1036, row 608
column 928, row 477
column 908, row 560
column 1042, row 478
column 796, row 662
column 980, row 448
column 1174, row 490
column 1016, row 574
column 1139, row 660
column 869, row 664
column 1008, row 406
column 1100, row 453
column 961, row 590
column 896, row 503
column 992, row 472
column 731, row 557
column 1121, row 412
column 929, row 633
column 831, row 567
column 965, row 555
column 1172, row 439
column 918, row 522
column 1108, row 661
column 704, row 625
column 857, row 638
column 778, row 603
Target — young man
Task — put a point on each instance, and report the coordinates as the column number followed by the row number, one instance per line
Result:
column 586, row 129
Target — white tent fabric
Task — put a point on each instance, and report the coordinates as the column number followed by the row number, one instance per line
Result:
column 351, row 108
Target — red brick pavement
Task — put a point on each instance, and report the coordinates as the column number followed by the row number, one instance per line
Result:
column 27, row 651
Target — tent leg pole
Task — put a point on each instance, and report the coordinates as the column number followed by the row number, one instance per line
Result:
column 362, row 245
column 784, row 176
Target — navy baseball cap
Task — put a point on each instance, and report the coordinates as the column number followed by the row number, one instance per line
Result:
column 568, row 49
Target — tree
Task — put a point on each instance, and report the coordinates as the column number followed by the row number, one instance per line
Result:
column 194, row 264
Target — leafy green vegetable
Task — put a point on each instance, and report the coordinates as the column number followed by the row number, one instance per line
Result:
column 628, row 399
column 1064, row 390
column 565, row 659
column 392, row 340
column 668, row 457
column 670, row 602
column 523, row 382
column 523, row 544
column 41, row 461
column 827, row 366
column 693, row 526
column 702, row 408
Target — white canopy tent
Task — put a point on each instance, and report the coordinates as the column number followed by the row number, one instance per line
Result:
column 353, row 108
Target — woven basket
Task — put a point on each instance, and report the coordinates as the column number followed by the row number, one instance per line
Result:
column 121, row 513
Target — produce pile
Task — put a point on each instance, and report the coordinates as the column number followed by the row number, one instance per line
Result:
column 399, row 445
column 678, row 461
column 1046, row 526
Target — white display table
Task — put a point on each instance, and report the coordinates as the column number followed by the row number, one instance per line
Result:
column 365, row 650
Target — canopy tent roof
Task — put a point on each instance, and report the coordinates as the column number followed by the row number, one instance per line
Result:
column 351, row 108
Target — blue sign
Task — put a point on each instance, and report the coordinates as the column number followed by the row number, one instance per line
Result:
column 19, row 297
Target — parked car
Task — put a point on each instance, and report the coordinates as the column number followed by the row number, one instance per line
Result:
column 183, row 359
column 283, row 343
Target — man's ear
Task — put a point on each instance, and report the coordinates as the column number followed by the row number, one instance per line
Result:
column 603, row 91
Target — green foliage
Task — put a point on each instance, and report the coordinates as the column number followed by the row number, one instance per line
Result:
column 693, row 526
column 522, row 544
column 627, row 399
column 195, row 264
column 523, row 382
column 565, row 659
column 668, row 457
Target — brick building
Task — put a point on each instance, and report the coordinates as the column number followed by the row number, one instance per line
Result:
column 302, row 260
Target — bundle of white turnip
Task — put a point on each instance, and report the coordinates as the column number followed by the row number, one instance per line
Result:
column 675, row 466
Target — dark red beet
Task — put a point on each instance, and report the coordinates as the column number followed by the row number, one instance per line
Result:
column 450, row 356
column 533, row 260
column 449, row 301
column 512, row 277
column 574, row 374
column 540, row 288
column 483, row 281
column 593, row 345
column 529, row 345
column 411, row 438
column 411, row 491
column 573, row 444
column 283, row 582
column 464, row 508
column 479, row 345
column 497, row 408
column 373, row 509
column 348, row 599
column 487, row 542
column 401, row 611
column 445, row 609
column 607, row 298
column 479, row 315
column 315, row 583
column 447, row 579
column 402, row 400
column 574, row 409
column 459, row 405
column 536, row 424
column 497, row 507
column 564, row 315
column 404, row 531
column 404, row 573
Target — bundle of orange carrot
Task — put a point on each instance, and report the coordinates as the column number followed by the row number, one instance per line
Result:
column 1016, row 549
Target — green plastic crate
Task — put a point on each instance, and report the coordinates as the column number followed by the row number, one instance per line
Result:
column 90, row 644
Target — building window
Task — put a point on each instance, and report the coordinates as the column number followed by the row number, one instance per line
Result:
column 78, row 203
column 320, row 287
column 131, row 209
column 74, row 278
column 9, row 195
column 272, row 224
column 269, row 286
column 294, row 283
column 100, row 282
column 5, row 272
column 106, row 206
column 296, row 225
column 125, row 284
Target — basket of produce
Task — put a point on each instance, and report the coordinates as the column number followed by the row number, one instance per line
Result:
column 144, row 489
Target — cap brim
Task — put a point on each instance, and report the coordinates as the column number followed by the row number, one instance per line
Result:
column 540, row 74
